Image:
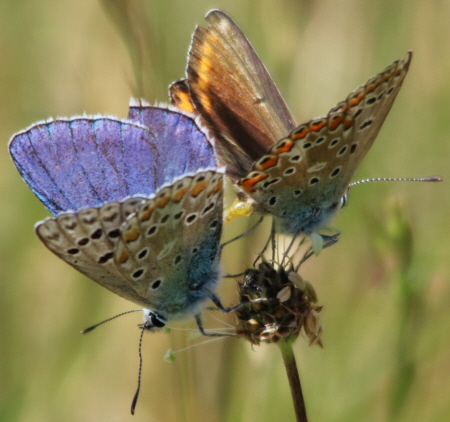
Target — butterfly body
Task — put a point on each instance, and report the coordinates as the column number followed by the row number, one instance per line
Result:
column 300, row 175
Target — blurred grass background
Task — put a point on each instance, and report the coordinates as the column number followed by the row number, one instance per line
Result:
column 385, row 285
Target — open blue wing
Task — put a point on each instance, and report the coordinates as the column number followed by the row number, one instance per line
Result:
column 85, row 162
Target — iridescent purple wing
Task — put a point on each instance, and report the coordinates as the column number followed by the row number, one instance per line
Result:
column 85, row 161
column 182, row 147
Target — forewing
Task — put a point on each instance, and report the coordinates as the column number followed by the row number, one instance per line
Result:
column 234, row 95
column 314, row 165
column 181, row 146
column 86, row 240
column 85, row 162
column 169, row 250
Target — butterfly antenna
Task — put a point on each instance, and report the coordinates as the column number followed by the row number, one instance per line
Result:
column 399, row 179
column 133, row 404
column 242, row 234
column 87, row 330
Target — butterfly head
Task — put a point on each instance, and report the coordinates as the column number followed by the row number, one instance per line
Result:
column 153, row 321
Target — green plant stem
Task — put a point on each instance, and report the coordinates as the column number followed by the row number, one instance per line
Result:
column 294, row 380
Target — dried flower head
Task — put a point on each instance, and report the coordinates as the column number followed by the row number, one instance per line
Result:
column 283, row 304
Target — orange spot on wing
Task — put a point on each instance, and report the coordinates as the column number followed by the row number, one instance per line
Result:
column 146, row 213
column 286, row 146
column 317, row 126
column 131, row 235
column 178, row 195
column 336, row 122
column 247, row 184
column 198, row 188
column 300, row 134
column 123, row 257
column 356, row 100
column 161, row 203
column 183, row 101
column 217, row 188
column 272, row 161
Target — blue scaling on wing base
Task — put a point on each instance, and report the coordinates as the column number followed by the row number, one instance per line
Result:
column 182, row 147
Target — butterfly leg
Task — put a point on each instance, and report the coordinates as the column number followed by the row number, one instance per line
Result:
column 271, row 238
column 243, row 234
column 198, row 320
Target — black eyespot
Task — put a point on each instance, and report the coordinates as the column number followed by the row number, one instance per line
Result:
column 178, row 215
column 272, row 200
column 297, row 192
column 195, row 250
column 138, row 273
column 342, row 151
column 352, row 148
column 357, row 113
column 381, row 95
column 371, row 100
column 208, row 208
column 390, row 90
column 73, row 251
column 335, row 172
column 265, row 160
column 333, row 205
column 200, row 178
column 97, row 234
column 143, row 253
column 191, row 218
column 289, row 171
column 177, row 260
column 307, row 145
column 70, row 226
column 179, row 186
column 320, row 140
column 295, row 158
column 156, row 284
column 152, row 230
column 165, row 218
column 334, row 142
column 83, row 241
column 114, row 233
column 267, row 184
column 314, row 180
column 106, row 257
column 365, row 124
column 214, row 224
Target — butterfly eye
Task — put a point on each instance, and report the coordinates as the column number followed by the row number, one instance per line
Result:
column 344, row 200
column 157, row 321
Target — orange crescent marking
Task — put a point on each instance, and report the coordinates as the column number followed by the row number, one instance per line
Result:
column 300, row 134
column 286, row 147
column 161, row 203
column 356, row 100
column 123, row 257
column 336, row 122
column 316, row 127
column 131, row 235
column 272, row 161
column 178, row 195
column 146, row 213
column 195, row 191
column 247, row 184
column 217, row 188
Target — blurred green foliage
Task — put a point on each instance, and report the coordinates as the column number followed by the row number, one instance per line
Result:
column 385, row 285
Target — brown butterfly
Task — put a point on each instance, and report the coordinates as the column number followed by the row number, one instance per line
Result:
column 301, row 174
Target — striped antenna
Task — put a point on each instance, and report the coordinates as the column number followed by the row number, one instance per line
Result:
column 399, row 179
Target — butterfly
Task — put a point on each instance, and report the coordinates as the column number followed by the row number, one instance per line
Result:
column 298, row 174
column 136, row 204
